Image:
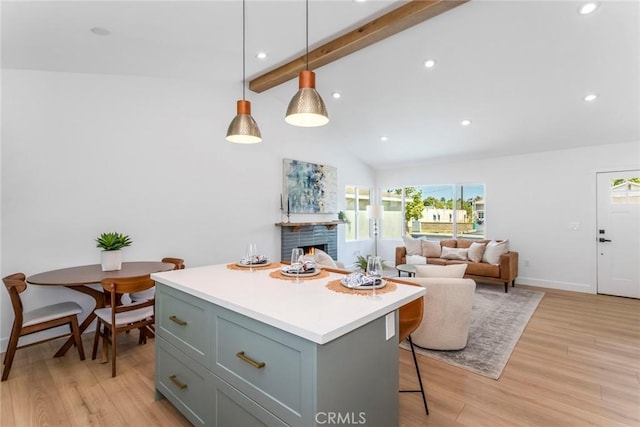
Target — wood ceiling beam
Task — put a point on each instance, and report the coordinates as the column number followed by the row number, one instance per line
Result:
column 399, row 19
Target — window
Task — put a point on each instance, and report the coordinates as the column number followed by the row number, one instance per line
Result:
column 435, row 211
column 625, row 191
column 357, row 200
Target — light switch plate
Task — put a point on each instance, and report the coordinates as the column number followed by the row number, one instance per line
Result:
column 390, row 321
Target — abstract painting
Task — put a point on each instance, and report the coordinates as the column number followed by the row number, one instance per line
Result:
column 310, row 187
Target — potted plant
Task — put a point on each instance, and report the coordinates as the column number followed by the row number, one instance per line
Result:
column 111, row 245
column 361, row 262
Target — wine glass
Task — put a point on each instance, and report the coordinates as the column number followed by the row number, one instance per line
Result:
column 252, row 255
column 296, row 261
column 374, row 270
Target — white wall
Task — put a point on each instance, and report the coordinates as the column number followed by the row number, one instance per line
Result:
column 84, row 154
column 530, row 200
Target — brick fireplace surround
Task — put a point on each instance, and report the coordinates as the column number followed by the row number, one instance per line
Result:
column 316, row 236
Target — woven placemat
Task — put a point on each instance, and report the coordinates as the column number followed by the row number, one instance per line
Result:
column 255, row 267
column 336, row 286
column 278, row 275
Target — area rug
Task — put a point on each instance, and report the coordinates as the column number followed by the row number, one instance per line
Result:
column 497, row 322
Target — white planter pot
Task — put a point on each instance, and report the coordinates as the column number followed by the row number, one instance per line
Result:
column 111, row 260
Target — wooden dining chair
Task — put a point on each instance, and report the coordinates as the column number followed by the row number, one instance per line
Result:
column 409, row 318
column 39, row 319
column 115, row 319
column 150, row 293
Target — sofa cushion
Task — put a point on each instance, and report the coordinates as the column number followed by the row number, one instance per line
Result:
column 414, row 246
column 436, row 261
column 464, row 243
column 455, row 271
column 476, row 250
column 493, row 251
column 416, row 259
column 481, row 269
column 449, row 243
column 431, row 248
column 454, row 253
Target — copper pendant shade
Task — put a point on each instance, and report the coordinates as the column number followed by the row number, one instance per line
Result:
column 307, row 108
column 243, row 128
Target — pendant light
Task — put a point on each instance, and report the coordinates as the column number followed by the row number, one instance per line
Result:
column 243, row 128
column 307, row 108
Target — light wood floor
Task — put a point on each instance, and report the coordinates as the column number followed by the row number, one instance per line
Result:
column 577, row 364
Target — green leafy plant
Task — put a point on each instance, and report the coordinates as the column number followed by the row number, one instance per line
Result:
column 113, row 241
column 361, row 261
column 343, row 217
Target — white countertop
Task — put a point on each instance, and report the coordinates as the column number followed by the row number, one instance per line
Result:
column 306, row 309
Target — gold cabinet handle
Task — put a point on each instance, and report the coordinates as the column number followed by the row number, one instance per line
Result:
column 250, row 361
column 178, row 383
column 178, row 321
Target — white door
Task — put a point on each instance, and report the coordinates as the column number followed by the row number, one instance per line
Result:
column 618, row 233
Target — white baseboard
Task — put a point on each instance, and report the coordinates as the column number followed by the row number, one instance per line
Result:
column 564, row 286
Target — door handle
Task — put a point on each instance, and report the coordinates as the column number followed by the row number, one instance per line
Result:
column 602, row 240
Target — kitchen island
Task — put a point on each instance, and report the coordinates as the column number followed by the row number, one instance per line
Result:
column 236, row 347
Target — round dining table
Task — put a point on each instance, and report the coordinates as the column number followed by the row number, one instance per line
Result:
column 79, row 279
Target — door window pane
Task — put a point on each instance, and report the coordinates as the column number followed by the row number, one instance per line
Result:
column 625, row 191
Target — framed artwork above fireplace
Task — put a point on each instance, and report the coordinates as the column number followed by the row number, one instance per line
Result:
column 310, row 187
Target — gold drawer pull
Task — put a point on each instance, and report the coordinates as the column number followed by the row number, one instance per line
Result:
column 250, row 361
column 180, row 385
column 178, row 321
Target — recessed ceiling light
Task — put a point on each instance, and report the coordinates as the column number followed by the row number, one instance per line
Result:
column 360, row 1
column 384, row 138
column 590, row 97
column 336, row 95
column 261, row 55
column 465, row 122
column 99, row 31
column 587, row 8
column 429, row 63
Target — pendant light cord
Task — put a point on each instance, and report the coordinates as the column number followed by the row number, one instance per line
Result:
column 243, row 50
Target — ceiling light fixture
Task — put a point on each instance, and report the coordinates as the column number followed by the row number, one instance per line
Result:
column 590, row 97
column 336, row 95
column 465, row 122
column 261, row 55
column 243, row 128
column 587, row 8
column 384, row 138
column 429, row 63
column 307, row 108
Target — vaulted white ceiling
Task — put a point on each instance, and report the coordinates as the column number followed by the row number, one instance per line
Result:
column 519, row 70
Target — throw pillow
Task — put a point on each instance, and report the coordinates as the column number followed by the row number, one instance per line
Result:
column 454, row 253
column 414, row 246
column 476, row 250
column 323, row 258
column 455, row 271
column 431, row 248
column 416, row 259
column 493, row 251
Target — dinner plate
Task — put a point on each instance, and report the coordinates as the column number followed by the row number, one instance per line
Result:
column 382, row 284
column 255, row 264
column 315, row 272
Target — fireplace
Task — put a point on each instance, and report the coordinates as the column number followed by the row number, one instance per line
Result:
column 308, row 238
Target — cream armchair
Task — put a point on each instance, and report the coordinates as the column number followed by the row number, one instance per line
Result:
column 447, row 313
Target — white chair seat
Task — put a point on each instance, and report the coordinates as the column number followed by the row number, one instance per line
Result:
column 50, row 312
column 144, row 295
column 126, row 317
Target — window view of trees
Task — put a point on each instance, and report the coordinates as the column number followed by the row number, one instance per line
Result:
column 438, row 211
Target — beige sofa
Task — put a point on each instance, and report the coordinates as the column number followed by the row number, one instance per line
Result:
column 447, row 313
column 505, row 271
